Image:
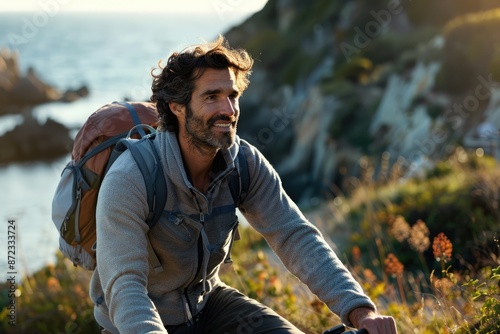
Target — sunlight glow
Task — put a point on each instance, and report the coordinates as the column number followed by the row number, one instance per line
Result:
column 215, row 6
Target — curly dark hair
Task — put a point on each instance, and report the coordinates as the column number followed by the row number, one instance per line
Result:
column 175, row 82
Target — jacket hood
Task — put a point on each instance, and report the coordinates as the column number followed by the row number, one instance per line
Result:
column 174, row 164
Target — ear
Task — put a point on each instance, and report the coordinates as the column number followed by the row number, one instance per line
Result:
column 176, row 108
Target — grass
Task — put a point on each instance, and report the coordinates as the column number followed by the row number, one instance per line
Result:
column 53, row 300
column 396, row 236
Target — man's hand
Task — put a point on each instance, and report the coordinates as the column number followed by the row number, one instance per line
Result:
column 373, row 322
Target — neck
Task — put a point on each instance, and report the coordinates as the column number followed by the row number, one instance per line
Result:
column 198, row 162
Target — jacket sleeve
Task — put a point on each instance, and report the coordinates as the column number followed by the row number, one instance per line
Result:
column 122, row 256
column 297, row 242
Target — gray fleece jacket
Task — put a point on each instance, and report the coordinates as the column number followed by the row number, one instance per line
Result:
column 192, row 240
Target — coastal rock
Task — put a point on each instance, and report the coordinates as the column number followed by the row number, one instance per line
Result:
column 9, row 69
column 30, row 90
column 18, row 91
column 31, row 141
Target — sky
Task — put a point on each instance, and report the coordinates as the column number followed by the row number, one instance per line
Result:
column 248, row 6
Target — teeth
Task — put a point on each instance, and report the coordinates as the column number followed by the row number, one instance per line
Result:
column 223, row 125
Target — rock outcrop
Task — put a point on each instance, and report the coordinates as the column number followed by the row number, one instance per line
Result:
column 18, row 91
column 31, row 141
column 336, row 82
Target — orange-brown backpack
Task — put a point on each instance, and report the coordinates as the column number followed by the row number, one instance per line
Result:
column 108, row 132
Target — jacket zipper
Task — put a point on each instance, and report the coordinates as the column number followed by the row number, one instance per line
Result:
column 188, row 306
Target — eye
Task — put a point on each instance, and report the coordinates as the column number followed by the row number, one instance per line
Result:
column 212, row 97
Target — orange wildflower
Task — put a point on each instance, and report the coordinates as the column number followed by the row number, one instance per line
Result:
column 53, row 285
column 442, row 248
column 356, row 253
column 392, row 265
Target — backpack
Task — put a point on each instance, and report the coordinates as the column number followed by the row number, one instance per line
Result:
column 106, row 134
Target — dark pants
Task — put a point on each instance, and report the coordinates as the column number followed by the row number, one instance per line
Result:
column 230, row 312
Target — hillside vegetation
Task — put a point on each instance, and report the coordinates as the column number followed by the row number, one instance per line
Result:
column 426, row 250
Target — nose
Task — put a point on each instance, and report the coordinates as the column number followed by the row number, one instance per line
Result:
column 229, row 107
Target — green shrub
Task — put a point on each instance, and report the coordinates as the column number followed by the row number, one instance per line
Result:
column 391, row 46
column 356, row 71
column 457, row 198
column 484, row 293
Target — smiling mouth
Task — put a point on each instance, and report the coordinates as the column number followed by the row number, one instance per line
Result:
column 223, row 125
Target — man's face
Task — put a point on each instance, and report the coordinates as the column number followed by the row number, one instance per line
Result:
column 213, row 112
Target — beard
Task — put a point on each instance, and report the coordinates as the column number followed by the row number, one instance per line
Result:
column 201, row 134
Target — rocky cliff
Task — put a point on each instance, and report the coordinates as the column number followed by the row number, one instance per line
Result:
column 19, row 93
column 336, row 81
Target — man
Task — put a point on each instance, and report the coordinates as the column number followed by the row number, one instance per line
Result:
column 197, row 95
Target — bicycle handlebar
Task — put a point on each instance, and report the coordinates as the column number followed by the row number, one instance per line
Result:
column 341, row 329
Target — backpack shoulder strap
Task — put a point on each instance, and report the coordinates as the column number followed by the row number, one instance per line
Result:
column 133, row 115
column 148, row 161
column 239, row 182
column 147, row 158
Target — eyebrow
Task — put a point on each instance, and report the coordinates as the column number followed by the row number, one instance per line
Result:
column 210, row 92
column 216, row 91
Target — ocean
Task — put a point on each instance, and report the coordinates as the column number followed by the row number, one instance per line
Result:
column 112, row 54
